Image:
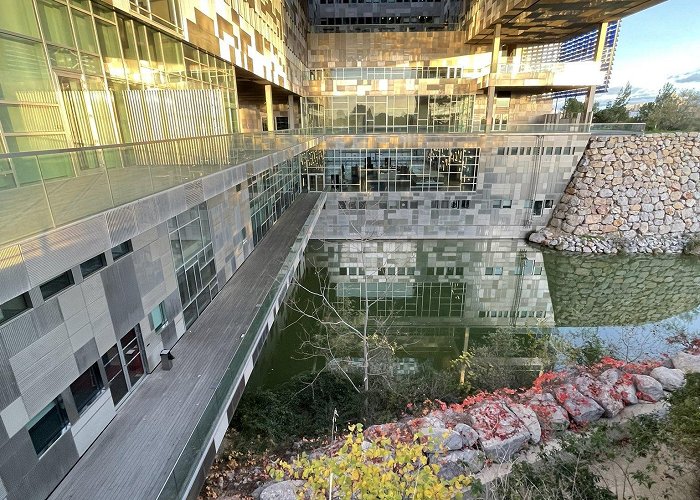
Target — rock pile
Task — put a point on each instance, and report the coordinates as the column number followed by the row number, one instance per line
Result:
column 496, row 426
column 630, row 194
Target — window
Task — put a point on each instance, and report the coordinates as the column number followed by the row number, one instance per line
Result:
column 13, row 307
column 48, row 425
column 548, row 203
column 52, row 287
column 132, row 356
column 121, row 250
column 87, row 387
column 115, row 374
column 537, row 208
column 92, row 265
column 157, row 317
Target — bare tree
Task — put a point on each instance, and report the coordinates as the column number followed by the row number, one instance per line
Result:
column 343, row 327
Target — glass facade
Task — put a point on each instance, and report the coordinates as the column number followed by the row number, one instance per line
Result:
column 75, row 74
column 395, row 73
column 270, row 194
column 389, row 114
column 193, row 255
column 417, row 169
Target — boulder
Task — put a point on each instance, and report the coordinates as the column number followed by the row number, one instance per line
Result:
column 623, row 384
column 687, row 362
column 473, row 460
column 284, row 490
column 583, row 410
column 648, row 388
column 441, row 440
column 671, row 379
column 469, row 435
column 501, row 433
column 552, row 417
column 395, row 431
column 452, row 470
column 528, row 417
column 603, row 394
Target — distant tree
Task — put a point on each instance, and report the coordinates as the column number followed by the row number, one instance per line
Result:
column 573, row 107
column 672, row 110
column 616, row 111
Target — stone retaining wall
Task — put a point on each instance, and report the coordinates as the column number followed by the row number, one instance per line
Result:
column 631, row 193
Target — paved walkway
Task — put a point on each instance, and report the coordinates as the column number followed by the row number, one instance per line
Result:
column 132, row 458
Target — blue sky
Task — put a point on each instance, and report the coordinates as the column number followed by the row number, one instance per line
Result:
column 657, row 45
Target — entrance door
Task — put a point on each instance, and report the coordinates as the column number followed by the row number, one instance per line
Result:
column 316, row 182
column 124, row 364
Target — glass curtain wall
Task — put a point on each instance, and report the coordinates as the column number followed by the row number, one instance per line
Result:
column 75, row 73
column 270, row 193
column 390, row 114
column 193, row 255
column 418, row 169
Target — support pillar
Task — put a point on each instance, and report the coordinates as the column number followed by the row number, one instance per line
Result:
column 290, row 111
column 465, row 350
column 268, row 109
column 495, row 56
column 600, row 46
column 496, row 49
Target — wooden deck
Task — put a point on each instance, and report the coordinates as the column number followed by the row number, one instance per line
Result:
column 132, row 458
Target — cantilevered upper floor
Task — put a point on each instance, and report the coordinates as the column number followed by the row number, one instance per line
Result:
column 542, row 21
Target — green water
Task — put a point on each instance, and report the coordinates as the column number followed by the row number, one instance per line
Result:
column 438, row 298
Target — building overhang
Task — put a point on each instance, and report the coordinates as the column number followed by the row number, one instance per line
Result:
column 544, row 21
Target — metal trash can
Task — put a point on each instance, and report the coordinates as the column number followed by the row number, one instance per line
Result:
column 166, row 359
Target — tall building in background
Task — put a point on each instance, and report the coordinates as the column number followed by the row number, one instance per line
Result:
column 147, row 147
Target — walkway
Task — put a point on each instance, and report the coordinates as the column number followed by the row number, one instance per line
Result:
column 134, row 455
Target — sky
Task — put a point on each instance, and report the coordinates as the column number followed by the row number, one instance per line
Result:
column 658, row 45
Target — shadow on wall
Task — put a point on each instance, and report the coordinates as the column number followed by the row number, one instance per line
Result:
column 620, row 290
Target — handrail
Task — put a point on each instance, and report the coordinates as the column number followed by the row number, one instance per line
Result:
column 180, row 477
column 43, row 190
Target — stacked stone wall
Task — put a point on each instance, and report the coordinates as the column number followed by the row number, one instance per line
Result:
column 630, row 193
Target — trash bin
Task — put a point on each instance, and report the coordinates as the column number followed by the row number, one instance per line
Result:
column 166, row 359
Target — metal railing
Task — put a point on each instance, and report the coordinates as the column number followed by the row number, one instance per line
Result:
column 42, row 190
column 180, row 478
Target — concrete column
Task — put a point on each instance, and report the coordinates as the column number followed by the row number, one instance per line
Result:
column 268, row 108
column 518, row 59
column 495, row 56
column 490, row 105
column 290, row 111
column 463, row 369
column 496, row 49
column 600, row 46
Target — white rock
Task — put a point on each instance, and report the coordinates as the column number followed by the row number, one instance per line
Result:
column 284, row 490
column 648, row 388
column 583, row 410
column 472, row 459
column 671, row 379
column 689, row 363
column 441, row 440
column 469, row 435
column 603, row 394
column 501, row 433
column 528, row 417
column 625, row 388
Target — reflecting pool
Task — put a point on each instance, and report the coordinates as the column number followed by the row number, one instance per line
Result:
column 437, row 298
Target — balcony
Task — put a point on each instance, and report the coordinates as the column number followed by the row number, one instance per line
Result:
column 550, row 76
column 43, row 190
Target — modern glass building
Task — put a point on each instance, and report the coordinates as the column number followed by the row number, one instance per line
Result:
column 148, row 149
